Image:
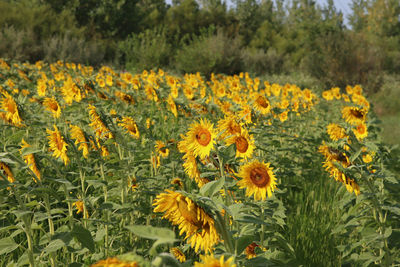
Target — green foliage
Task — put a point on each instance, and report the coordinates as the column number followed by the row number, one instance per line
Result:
column 147, row 50
column 210, row 52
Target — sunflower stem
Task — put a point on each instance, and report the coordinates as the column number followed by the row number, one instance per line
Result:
column 105, row 211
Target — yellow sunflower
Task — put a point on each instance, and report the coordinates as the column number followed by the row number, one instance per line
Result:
column 97, row 124
column 354, row 115
column 250, row 250
column 7, row 172
column 336, row 132
column 57, row 144
column 114, row 262
column 192, row 220
column 161, row 149
column 360, row 131
column 80, row 139
column 52, row 105
column 200, row 138
column 228, row 126
column 172, row 105
column 130, row 126
column 30, row 160
column 210, row 261
column 11, row 114
column 258, row 179
column 178, row 254
column 244, row 144
column 192, row 170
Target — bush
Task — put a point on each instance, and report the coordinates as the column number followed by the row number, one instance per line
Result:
column 210, row 53
column 257, row 62
column 147, row 50
column 346, row 59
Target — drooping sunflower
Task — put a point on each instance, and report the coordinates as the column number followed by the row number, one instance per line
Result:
column 172, row 105
column 360, row 131
column 114, row 262
column 261, row 104
column 210, row 261
column 191, row 219
column 57, row 144
column 7, row 172
column 97, row 124
column 80, row 139
column 130, row 126
column 161, row 149
column 52, row 105
column 258, row 179
column 200, row 138
column 228, row 126
column 192, row 170
column 250, row 250
column 11, row 114
column 30, row 160
column 354, row 115
column 244, row 144
column 178, row 254
column 336, row 132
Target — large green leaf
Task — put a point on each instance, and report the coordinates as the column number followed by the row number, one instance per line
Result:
column 7, row 245
column 83, row 236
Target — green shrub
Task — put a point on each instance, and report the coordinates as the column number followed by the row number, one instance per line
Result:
column 210, row 53
column 257, row 62
column 147, row 50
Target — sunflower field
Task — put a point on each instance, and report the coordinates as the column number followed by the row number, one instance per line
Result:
column 106, row 168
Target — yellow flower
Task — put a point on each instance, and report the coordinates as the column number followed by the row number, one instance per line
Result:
column 354, row 115
column 161, row 149
column 172, row 105
column 250, row 253
column 178, row 254
column 177, row 181
column 361, row 131
column 228, row 126
column 79, row 206
column 262, row 104
column 258, row 179
column 80, row 139
column 52, row 105
column 7, row 172
column 130, row 126
column 114, row 262
column 30, row 160
column 57, row 144
column 336, row 132
column 283, row 116
column 244, row 144
column 98, row 125
column 192, row 220
column 11, row 114
column 200, row 138
column 210, row 261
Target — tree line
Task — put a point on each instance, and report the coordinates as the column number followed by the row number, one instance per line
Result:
column 257, row 36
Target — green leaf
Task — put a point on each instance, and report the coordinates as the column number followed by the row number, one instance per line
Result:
column 243, row 242
column 7, row 245
column 209, row 189
column 151, row 232
column 84, row 237
column 54, row 245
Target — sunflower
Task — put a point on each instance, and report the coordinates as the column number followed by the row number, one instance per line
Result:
column 178, row 254
column 228, row 126
column 210, row 261
column 200, row 138
column 354, row 115
column 97, row 124
column 161, row 149
column 261, row 104
column 336, row 132
column 11, row 114
column 360, row 131
column 250, row 250
column 115, row 262
column 192, row 220
column 172, row 105
column 244, row 144
column 52, row 105
column 30, row 160
column 130, row 126
column 80, row 139
column 192, row 170
column 57, row 144
column 7, row 172
column 177, row 181
column 258, row 179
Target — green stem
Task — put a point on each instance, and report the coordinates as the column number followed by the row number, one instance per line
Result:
column 51, row 227
column 105, row 211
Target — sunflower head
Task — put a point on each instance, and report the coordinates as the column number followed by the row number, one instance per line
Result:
column 258, row 179
column 211, row 261
column 200, row 138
